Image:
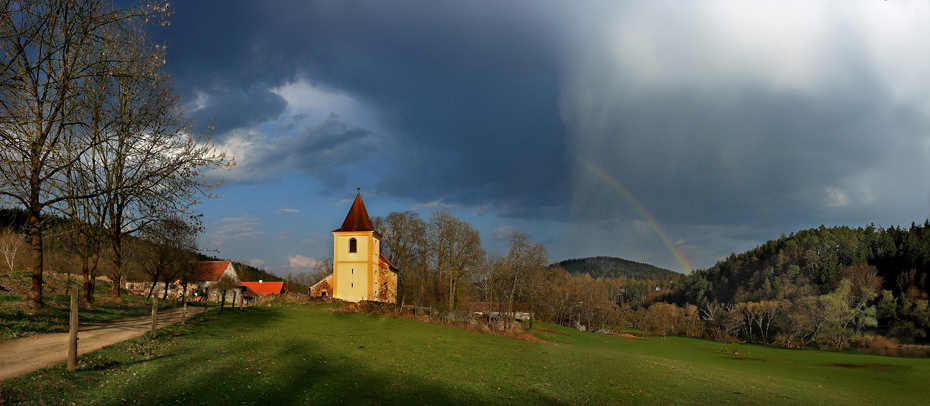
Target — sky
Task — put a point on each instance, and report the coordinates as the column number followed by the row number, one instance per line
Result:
column 672, row 133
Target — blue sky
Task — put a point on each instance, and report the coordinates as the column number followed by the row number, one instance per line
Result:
column 667, row 132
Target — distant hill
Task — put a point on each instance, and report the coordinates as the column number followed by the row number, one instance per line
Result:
column 612, row 267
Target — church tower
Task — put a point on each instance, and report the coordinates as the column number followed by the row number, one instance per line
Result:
column 360, row 272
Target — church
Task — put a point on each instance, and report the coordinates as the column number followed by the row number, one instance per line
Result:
column 360, row 271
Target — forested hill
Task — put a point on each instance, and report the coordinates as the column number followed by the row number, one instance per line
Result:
column 611, row 267
column 814, row 261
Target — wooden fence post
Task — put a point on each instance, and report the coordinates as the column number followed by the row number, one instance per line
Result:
column 72, row 338
column 184, row 310
column 154, row 315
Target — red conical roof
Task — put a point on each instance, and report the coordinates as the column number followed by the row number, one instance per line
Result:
column 357, row 219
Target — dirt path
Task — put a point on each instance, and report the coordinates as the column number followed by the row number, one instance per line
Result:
column 24, row 355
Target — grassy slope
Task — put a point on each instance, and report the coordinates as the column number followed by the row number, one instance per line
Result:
column 18, row 320
column 304, row 355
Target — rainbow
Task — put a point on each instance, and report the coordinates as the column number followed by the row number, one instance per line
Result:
column 613, row 182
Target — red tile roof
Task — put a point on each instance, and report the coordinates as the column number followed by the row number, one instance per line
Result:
column 357, row 219
column 208, row 271
column 246, row 292
column 386, row 262
column 266, row 288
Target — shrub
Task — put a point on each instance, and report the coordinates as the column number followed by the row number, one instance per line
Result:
column 875, row 344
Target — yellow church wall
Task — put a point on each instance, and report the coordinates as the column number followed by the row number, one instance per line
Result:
column 354, row 273
column 351, row 282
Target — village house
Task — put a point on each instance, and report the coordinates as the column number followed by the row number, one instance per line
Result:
column 207, row 274
column 360, row 271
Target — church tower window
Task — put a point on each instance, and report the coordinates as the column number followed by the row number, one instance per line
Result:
column 353, row 246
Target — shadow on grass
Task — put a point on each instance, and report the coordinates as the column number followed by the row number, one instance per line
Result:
column 249, row 356
column 231, row 365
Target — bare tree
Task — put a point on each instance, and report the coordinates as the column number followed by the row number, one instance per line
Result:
column 524, row 261
column 10, row 244
column 320, row 269
column 664, row 319
column 168, row 247
column 302, row 280
column 226, row 285
column 152, row 166
column 721, row 320
column 487, row 277
column 403, row 243
column 47, row 49
column 454, row 250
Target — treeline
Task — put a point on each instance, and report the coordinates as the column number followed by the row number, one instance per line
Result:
column 826, row 287
column 829, row 287
column 444, row 266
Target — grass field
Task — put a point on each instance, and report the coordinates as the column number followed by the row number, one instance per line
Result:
column 293, row 354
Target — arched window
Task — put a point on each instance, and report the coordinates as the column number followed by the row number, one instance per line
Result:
column 353, row 245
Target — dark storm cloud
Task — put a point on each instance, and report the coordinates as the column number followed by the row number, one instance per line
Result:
column 232, row 108
column 319, row 150
column 469, row 93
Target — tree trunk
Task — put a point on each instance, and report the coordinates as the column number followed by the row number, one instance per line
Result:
column 513, row 292
column 89, row 292
column 451, row 293
column 85, row 266
column 184, row 301
column 85, row 271
column 154, row 282
column 115, row 238
column 532, row 314
column 35, row 230
column 206, row 299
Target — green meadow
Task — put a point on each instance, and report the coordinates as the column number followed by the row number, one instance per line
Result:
column 301, row 354
column 18, row 320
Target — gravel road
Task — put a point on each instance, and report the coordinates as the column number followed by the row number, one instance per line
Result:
column 18, row 357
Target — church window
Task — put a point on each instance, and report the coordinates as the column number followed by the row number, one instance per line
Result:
column 353, row 245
